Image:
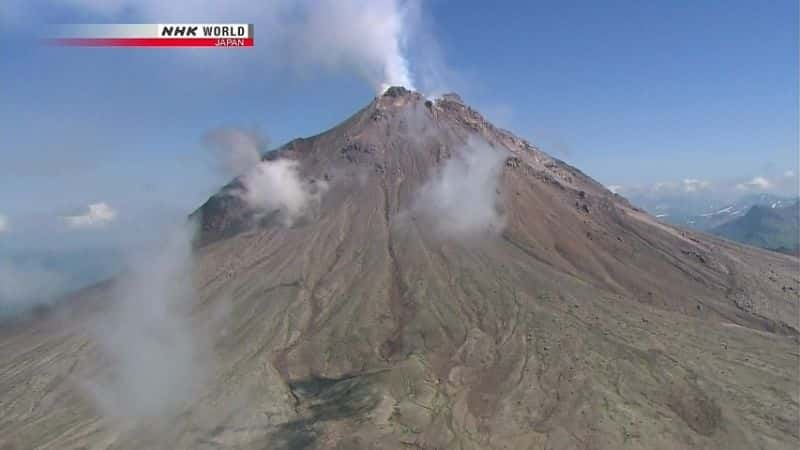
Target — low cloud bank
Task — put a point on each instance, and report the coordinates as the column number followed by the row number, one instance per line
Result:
column 462, row 198
column 97, row 215
column 27, row 284
column 784, row 183
column 693, row 184
column 758, row 183
column 266, row 185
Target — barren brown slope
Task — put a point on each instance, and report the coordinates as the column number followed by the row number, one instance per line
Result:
column 580, row 322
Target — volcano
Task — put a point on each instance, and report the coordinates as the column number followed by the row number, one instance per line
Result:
column 446, row 285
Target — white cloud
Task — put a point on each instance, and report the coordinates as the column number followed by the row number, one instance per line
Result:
column 665, row 186
column 758, row 183
column 615, row 188
column 726, row 189
column 693, row 184
column 4, row 224
column 685, row 185
column 98, row 215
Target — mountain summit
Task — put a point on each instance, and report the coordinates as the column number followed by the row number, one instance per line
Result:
column 416, row 277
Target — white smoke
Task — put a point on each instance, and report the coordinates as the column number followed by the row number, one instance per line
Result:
column 367, row 37
column 236, row 151
column 276, row 185
column 154, row 355
column 462, row 198
column 268, row 185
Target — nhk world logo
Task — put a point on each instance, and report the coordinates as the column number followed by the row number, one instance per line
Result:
column 155, row 35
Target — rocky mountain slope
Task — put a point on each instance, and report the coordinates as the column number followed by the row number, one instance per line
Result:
column 449, row 286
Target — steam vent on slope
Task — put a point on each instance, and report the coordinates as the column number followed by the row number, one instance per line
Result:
column 431, row 281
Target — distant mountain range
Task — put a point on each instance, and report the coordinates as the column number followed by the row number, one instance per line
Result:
column 703, row 213
column 763, row 220
column 774, row 228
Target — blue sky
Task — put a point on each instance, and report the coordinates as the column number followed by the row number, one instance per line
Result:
column 632, row 92
column 640, row 91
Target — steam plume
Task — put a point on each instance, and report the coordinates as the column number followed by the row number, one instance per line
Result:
column 462, row 198
column 367, row 37
column 267, row 185
column 236, row 151
column 146, row 336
